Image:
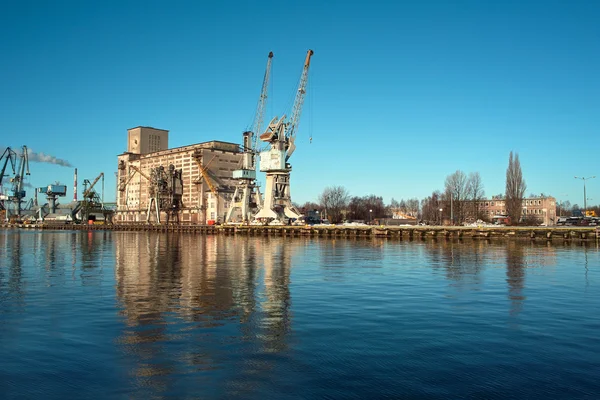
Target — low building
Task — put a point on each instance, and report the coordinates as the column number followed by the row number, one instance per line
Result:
column 206, row 173
column 541, row 208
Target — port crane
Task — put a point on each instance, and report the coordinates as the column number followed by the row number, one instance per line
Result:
column 246, row 197
column 92, row 203
column 9, row 156
column 18, row 194
column 135, row 169
column 166, row 192
column 281, row 135
column 213, row 186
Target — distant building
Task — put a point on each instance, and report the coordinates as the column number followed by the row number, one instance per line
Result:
column 147, row 148
column 542, row 208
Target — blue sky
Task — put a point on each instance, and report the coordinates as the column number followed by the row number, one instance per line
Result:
column 401, row 94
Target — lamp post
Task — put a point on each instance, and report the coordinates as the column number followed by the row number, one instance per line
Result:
column 441, row 222
column 370, row 211
column 584, row 195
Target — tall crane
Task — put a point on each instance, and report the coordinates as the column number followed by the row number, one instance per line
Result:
column 9, row 156
column 281, row 134
column 246, row 197
column 18, row 194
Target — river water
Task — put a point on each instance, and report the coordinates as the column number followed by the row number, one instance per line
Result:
column 148, row 315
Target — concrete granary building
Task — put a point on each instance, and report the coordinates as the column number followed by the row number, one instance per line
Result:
column 206, row 176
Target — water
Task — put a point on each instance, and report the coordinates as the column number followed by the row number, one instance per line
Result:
column 145, row 315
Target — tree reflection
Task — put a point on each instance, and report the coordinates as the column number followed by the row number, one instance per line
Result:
column 515, row 276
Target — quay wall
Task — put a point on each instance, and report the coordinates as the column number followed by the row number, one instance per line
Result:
column 393, row 232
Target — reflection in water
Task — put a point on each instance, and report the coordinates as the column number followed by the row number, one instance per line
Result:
column 210, row 281
column 99, row 314
column 515, row 276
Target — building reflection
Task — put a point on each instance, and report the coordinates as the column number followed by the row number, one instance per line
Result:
column 206, row 287
column 461, row 262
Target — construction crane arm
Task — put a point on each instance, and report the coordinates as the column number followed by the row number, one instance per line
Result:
column 260, row 108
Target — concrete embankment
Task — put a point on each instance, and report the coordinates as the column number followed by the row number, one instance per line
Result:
column 403, row 232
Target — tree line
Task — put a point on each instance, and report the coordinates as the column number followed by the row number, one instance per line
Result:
column 457, row 203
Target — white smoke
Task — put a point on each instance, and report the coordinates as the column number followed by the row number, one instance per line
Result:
column 46, row 158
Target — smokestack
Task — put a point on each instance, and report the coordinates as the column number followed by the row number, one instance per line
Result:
column 75, row 186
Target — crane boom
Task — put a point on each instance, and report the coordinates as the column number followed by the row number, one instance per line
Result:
column 135, row 169
column 9, row 155
column 88, row 191
column 260, row 107
column 299, row 101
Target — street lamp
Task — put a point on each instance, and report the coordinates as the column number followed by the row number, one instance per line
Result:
column 584, row 195
column 441, row 209
column 370, row 211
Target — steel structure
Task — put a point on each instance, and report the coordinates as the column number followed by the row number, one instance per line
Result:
column 17, row 193
column 52, row 192
column 9, row 156
column 166, row 191
column 281, row 134
column 135, row 169
column 205, row 176
column 92, row 202
column 246, row 197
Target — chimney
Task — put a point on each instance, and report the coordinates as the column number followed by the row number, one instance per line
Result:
column 75, row 186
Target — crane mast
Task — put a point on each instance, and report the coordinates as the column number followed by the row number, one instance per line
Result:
column 246, row 196
column 281, row 134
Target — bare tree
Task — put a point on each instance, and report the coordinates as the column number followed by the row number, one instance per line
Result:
column 456, row 191
column 334, row 200
column 412, row 207
column 475, row 192
column 515, row 188
column 430, row 208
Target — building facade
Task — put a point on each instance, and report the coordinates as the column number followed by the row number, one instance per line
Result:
column 206, row 174
column 541, row 208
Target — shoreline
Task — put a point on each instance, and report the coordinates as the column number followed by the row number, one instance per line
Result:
column 334, row 231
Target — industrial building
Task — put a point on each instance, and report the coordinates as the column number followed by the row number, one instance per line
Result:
column 197, row 179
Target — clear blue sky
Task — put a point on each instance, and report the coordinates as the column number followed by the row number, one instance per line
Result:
column 401, row 94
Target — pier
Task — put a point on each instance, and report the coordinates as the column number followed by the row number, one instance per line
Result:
column 392, row 232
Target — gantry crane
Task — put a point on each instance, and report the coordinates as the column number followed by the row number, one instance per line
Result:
column 247, row 196
column 9, row 156
column 281, row 134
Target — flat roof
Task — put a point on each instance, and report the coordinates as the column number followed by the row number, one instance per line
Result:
column 149, row 127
